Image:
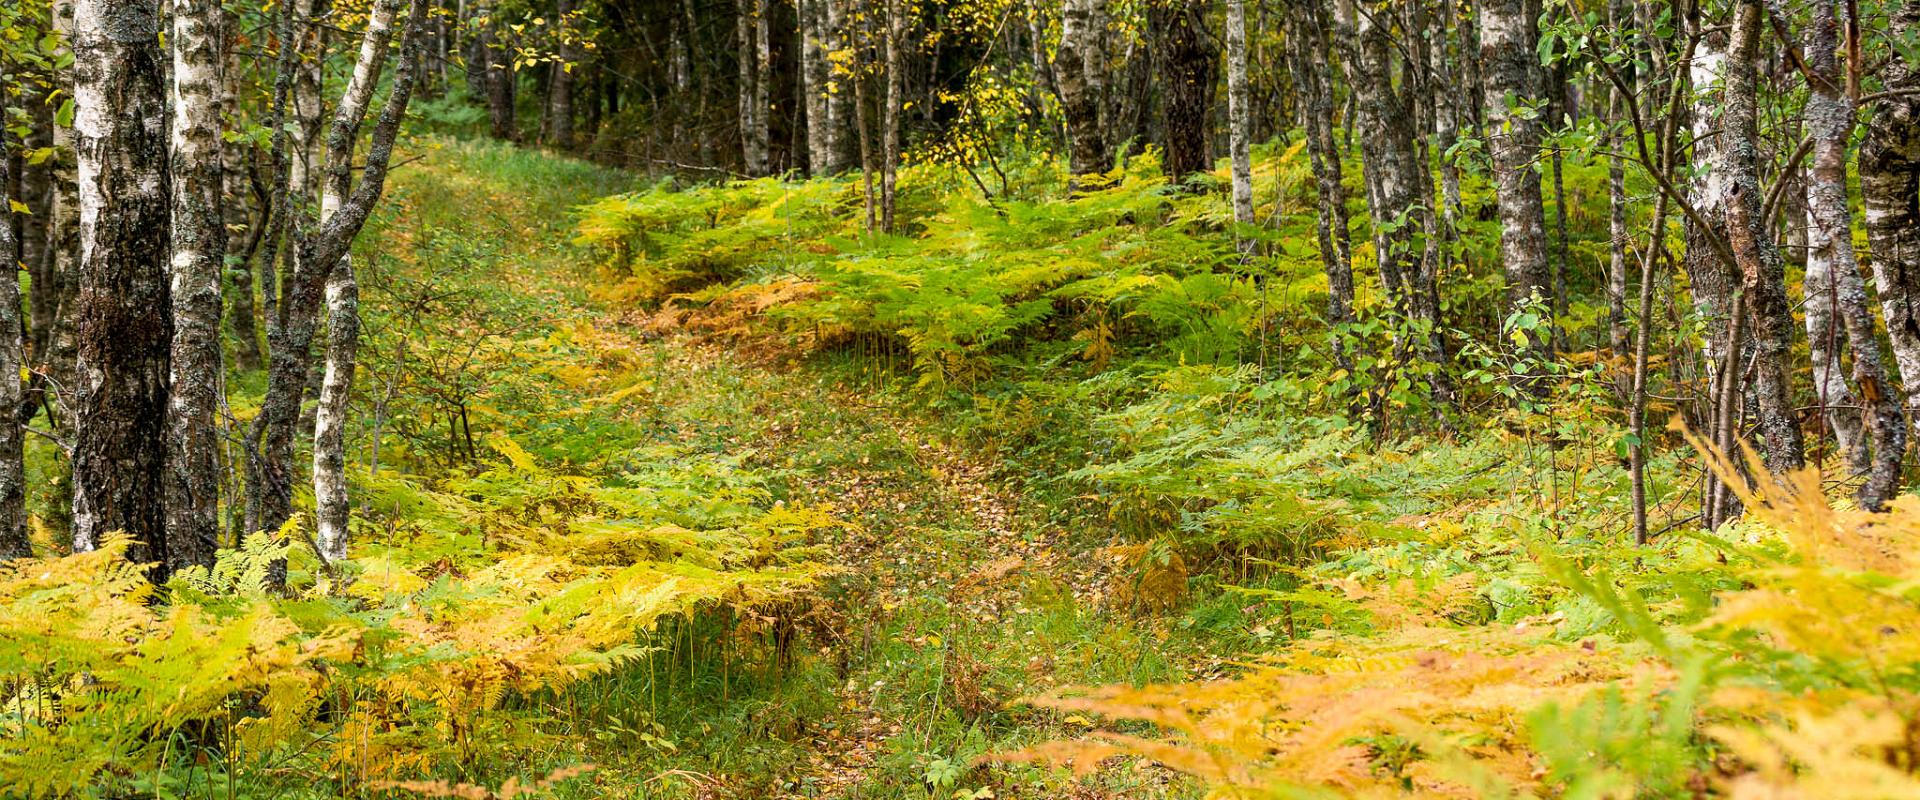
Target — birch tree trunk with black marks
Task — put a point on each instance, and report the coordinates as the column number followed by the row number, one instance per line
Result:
column 1240, row 118
column 1077, row 69
column 330, row 489
column 13, row 472
column 1311, row 60
column 1396, row 190
column 123, row 325
column 1762, row 269
column 1508, row 41
column 199, row 256
column 1890, row 191
column 816, row 75
column 1830, row 120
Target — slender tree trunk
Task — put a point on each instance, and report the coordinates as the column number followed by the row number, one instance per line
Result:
column 330, row 488
column 1761, row 266
column 753, row 91
column 1078, row 69
column 502, row 79
column 1188, row 62
column 896, row 55
column 124, row 329
column 56, row 349
column 1241, row 116
column 199, row 257
column 13, row 472
column 560, row 83
column 1508, row 40
column 1889, row 188
column 1396, row 191
column 1310, row 60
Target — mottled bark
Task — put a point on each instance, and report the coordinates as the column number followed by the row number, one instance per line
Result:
column 123, row 325
column 1310, row 59
column 13, row 473
column 1890, row 193
column 1188, row 64
column 1762, row 269
column 199, row 256
column 1830, row 120
column 1240, row 116
column 1397, row 191
column 1508, row 39
column 816, row 73
column 1078, row 67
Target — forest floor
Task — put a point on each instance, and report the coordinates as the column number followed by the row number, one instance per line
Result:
column 958, row 593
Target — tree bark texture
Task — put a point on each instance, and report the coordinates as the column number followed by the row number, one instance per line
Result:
column 1240, row 127
column 123, row 325
column 1079, row 68
column 1890, row 192
column 1310, row 59
column 1763, row 270
column 1188, row 63
column 1508, row 39
column 199, row 256
column 13, row 472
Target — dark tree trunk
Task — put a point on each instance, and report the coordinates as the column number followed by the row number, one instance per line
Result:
column 13, row 473
column 124, row 328
column 1310, row 60
column 560, row 83
column 1189, row 65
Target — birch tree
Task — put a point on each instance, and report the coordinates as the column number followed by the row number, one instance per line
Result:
column 1889, row 186
column 1310, row 61
column 1508, row 42
column 1240, row 127
column 1079, row 69
column 315, row 249
column 1830, row 118
column 199, row 256
column 123, row 328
